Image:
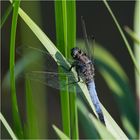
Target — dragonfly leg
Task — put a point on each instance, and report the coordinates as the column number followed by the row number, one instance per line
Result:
column 73, row 65
column 78, row 76
column 77, row 71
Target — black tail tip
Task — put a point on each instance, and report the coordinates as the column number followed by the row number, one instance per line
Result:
column 101, row 118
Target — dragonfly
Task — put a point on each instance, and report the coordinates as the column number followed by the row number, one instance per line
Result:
column 83, row 64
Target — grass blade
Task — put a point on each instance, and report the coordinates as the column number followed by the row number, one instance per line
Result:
column 71, row 41
column 60, row 134
column 123, row 37
column 5, row 123
column 32, row 125
column 61, row 37
column 15, row 112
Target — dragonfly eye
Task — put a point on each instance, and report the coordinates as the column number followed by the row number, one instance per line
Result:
column 74, row 52
column 79, row 51
column 75, row 56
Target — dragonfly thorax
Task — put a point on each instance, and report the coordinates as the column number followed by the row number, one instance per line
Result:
column 83, row 64
column 79, row 55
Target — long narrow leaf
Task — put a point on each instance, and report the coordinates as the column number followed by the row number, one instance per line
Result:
column 66, row 36
column 15, row 111
column 32, row 125
column 61, row 37
column 71, row 41
column 123, row 37
column 5, row 123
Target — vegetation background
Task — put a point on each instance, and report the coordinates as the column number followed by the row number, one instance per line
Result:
column 47, row 104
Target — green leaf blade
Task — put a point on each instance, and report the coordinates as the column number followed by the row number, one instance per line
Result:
column 9, row 129
column 61, row 35
column 60, row 134
column 15, row 112
column 71, row 41
column 32, row 125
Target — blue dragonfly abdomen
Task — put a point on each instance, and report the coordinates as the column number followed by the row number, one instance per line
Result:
column 95, row 100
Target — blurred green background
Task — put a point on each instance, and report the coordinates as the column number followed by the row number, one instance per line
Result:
column 99, row 24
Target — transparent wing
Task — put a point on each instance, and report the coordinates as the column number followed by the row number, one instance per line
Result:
column 33, row 54
column 52, row 79
column 89, row 48
column 48, row 74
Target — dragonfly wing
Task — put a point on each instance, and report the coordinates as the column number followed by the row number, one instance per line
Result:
column 55, row 80
column 89, row 48
column 34, row 54
column 48, row 74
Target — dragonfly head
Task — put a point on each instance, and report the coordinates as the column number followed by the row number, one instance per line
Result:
column 75, row 52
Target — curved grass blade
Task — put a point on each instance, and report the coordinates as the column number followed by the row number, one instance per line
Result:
column 123, row 37
column 15, row 112
column 60, row 134
column 5, row 123
column 58, row 57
